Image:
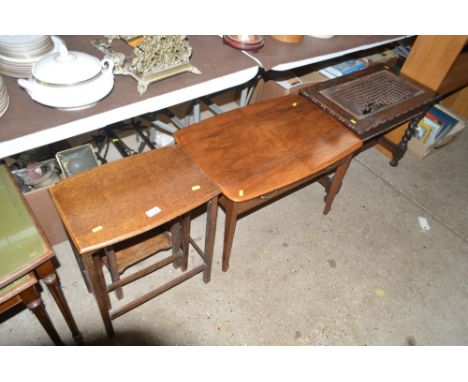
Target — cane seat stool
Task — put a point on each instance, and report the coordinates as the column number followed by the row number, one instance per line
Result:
column 372, row 102
column 259, row 152
column 126, row 211
column 25, row 254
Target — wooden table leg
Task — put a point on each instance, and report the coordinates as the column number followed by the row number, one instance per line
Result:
column 80, row 264
column 211, row 215
column 113, row 270
column 336, row 184
column 229, row 230
column 93, row 268
column 47, row 274
column 185, row 240
column 176, row 241
column 33, row 301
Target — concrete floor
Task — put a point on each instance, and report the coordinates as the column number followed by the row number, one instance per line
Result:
column 366, row 274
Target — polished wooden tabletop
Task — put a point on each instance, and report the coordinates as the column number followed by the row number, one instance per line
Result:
column 263, row 147
column 121, row 199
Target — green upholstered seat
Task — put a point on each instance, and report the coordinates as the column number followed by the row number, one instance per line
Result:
column 15, row 284
column 20, row 241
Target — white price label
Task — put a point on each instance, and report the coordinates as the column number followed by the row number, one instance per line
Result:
column 153, row 211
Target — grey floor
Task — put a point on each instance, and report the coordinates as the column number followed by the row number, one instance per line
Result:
column 366, row 274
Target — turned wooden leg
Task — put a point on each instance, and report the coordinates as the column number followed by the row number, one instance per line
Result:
column 33, row 301
column 336, row 184
column 403, row 145
column 47, row 274
column 185, row 240
column 211, row 215
column 93, row 266
column 229, row 230
column 113, row 270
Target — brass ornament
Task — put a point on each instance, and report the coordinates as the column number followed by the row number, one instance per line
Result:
column 154, row 57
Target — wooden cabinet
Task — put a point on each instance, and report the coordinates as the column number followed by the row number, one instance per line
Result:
column 439, row 63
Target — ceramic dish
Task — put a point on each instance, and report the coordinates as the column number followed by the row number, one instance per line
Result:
column 69, row 80
column 4, row 98
column 20, row 64
column 25, row 46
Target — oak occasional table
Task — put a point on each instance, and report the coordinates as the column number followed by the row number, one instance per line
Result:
column 122, row 212
column 259, row 152
column 24, row 249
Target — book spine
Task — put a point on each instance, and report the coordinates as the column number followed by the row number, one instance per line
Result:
column 427, row 130
column 442, row 115
column 434, row 129
column 433, row 118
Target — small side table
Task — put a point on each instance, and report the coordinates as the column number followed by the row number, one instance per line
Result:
column 373, row 102
column 24, row 248
column 257, row 153
column 125, row 211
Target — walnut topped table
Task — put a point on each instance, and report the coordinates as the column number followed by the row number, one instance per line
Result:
column 258, row 152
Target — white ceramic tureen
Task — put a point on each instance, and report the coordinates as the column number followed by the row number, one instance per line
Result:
column 69, row 80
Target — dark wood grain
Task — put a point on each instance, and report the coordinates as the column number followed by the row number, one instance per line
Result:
column 263, row 150
column 164, row 178
column 380, row 122
column 266, row 146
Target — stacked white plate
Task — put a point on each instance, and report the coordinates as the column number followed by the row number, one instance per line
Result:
column 19, row 53
column 4, row 99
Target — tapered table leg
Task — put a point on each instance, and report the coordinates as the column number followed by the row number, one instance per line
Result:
column 210, row 236
column 336, row 184
column 229, row 230
column 47, row 274
column 33, row 301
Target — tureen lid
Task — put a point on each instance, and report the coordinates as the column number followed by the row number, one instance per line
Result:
column 66, row 67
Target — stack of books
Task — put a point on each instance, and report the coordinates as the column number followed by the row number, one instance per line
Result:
column 435, row 125
column 438, row 127
column 343, row 68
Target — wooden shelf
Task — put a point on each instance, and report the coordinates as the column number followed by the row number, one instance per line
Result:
column 457, row 77
column 458, row 102
column 139, row 248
